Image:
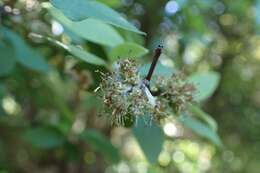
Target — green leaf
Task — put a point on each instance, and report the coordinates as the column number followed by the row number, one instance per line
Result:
column 91, row 101
column 257, row 15
column 101, row 144
column 150, row 138
column 127, row 50
column 23, row 52
column 196, row 111
column 89, row 29
column 73, row 152
column 2, row 94
column 78, row 10
column 200, row 129
column 84, row 55
column 111, row 3
column 7, row 59
column 160, row 70
column 44, row 137
column 76, row 51
column 205, row 83
column 2, row 90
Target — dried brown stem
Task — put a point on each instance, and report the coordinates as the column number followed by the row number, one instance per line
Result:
column 157, row 54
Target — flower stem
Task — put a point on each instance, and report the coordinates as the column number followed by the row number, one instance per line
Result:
column 157, row 54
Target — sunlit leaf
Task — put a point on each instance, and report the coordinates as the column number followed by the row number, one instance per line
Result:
column 150, row 138
column 205, row 83
column 7, row 59
column 101, row 144
column 201, row 129
column 44, row 137
column 127, row 50
column 78, row 10
column 89, row 29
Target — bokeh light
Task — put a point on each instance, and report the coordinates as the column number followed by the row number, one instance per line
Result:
column 171, row 7
column 170, row 129
column 57, row 28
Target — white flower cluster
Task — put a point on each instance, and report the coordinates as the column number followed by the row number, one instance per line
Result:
column 127, row 96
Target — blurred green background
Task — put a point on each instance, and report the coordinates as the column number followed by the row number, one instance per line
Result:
column 49, row 113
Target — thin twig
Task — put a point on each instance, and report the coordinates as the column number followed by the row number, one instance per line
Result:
column 157, row 54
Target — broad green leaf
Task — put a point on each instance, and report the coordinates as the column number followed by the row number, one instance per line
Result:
column 78, row 10
column 44, row 137
column 127, row 50
column 89, row 29
column 205, row 83
column 7, row 59
column 101, row 144
column 200, row 129
column 196, row 111
column 76, row 51
column 150, row 138
column 24, row 53
column 133, row 37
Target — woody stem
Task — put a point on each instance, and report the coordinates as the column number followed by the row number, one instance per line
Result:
column 157, row 54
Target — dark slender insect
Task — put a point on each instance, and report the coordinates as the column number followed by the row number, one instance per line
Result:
column 157, row 54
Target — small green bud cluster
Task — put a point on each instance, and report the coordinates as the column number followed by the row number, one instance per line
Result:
column 127, row 95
